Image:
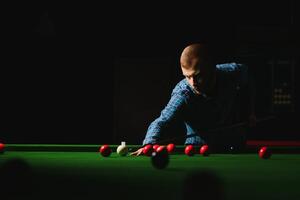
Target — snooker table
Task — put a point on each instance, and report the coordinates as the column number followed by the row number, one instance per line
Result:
column 47, row 171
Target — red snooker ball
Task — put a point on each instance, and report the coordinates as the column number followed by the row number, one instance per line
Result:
column 189, row 150
column 155, row 147
column 204, row 150
column 161, row 149
column 264, row 153
column 105, row 150
column 147, row 150
column 2, row 147
column 171, row 148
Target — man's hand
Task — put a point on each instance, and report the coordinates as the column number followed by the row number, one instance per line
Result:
column 137, row 152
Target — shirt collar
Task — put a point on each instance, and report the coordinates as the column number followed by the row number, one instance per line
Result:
column 200, row 95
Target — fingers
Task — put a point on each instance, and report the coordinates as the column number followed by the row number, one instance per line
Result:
column 133, row 153
column 137, row 153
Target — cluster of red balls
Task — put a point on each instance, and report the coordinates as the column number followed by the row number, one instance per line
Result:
column 148, row 149
column 190, row 150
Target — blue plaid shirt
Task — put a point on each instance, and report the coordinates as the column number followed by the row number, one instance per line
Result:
column 200, row 112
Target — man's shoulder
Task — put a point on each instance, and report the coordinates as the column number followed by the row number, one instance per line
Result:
column 233, row 71
column 182, row 88
column 231, row 67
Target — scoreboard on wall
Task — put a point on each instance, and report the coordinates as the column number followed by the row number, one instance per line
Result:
column 282, row 85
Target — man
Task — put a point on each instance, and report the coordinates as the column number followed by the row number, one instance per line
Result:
column 206, row 98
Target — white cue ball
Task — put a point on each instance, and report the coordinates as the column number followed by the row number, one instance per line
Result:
column 122, row 150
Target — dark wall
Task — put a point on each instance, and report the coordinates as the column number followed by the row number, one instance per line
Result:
column 56, row 76
column 66, row 67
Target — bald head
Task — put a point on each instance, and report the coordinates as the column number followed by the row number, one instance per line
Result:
column 194, row 54
column 197, row 68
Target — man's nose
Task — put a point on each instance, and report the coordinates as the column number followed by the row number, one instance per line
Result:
column 193, row 80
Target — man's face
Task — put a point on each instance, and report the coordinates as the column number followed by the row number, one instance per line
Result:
column 198, row 79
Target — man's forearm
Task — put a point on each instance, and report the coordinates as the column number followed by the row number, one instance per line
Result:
column 151, row 138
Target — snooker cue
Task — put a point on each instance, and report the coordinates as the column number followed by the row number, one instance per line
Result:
column 218, row 129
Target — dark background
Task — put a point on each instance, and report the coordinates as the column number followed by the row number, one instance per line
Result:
column 77, row 73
